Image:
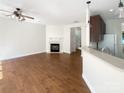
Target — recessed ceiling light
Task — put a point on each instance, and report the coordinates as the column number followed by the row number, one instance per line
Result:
column 111, row 10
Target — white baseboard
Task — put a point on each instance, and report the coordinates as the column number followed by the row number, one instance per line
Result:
column 19, row 56
column 89, row 85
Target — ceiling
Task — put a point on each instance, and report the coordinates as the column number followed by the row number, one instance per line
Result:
column 61, row 11
column 103, row 8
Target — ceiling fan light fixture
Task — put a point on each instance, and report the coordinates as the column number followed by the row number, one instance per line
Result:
column 121, row 4
column 13, row 16
column 121, row 14
column 121, row 9
column 20, row 18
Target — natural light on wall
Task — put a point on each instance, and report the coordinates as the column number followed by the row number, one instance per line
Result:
column 1, row 73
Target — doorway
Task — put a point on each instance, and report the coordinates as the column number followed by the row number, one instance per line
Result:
column 75, row 39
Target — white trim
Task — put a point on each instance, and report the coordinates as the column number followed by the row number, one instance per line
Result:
column 89, row 85
column 28, row 54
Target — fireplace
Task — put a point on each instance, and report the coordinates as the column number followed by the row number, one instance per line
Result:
column 54, row 47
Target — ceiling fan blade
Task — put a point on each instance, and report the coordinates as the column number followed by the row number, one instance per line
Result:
column 5, row 11
column 9, row 15
column 28, row 17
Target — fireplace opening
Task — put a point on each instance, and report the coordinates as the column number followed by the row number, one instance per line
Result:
column 54, row 47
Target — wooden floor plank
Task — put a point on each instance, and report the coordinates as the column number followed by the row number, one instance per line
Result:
column 43, row 73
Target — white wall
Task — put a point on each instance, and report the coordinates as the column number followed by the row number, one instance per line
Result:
column 20, row 39
column 67, row 35
column 103, row 73
column 54, row 31
column 63, row 31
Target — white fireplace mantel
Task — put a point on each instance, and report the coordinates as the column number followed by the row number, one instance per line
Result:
column 57, row 40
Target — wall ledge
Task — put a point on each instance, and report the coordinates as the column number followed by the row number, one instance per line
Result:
column 112, row 60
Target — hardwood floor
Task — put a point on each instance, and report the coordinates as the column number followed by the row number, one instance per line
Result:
column 43, row 73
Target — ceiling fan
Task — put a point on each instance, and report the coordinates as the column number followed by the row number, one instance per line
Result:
column 18, row 14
